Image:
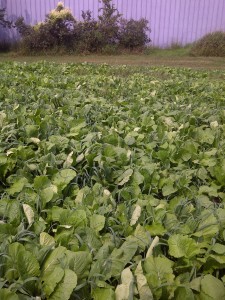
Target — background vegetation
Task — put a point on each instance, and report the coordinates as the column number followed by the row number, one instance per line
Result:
column 212, row 44
column 61, row 32
column 110, row 33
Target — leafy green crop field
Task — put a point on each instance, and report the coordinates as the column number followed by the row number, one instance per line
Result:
column 112, row 183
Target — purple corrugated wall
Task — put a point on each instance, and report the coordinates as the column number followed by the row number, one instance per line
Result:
column 171, row 21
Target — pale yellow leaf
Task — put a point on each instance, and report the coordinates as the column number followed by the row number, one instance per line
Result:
column 29, row 213
column 136, row 215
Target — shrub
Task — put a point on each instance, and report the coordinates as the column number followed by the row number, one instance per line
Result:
column 212, row 44
column 132, row 33
column 110, row 49
column 109, row 22
column 60, row 24
column 61, row 31
column 88, row 37
column 55, row 32
column 98, row 35
column 36, row 38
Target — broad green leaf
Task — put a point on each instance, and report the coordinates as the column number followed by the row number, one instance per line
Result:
column 57, row 212
column 212, row 288
column 6, row 294
column 41, row 182
column 46, row 239
column 76, row 218
column 182, row 246
column 158, row 271
column 141, row 237
column 183, row 293
column 129, row 139
column 219, row 248
column 11, row 209
column 219, row 172
column 125, row 291
column 65, row 287
column 51, row 280
column 92, row 239
column 11, row 266
column 47, row 193
column 17, row 186
column 103, row 294
column 168, row 189
column 28, row 265
column 210, row 190
column 63, row 178
column 79, row 262
column 205, row 136
column 31, row 130
column 156, row 229
column 53, row 260
column 208, row 225
column 97, row 222
column 120, row 257
column 221, row 216
column 101, row 262
column 195, row 284
column 138, row 177
column 51, row 271
column 218, row 258
column 124, row 178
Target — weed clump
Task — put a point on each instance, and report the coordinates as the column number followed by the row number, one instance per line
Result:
column 212, row 44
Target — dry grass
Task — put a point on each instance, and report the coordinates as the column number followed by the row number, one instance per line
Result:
column 157, row 58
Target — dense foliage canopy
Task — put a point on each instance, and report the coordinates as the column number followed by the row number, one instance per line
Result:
column 112, row 183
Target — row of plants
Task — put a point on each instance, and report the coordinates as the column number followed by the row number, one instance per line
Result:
column 61, row 30
column 112, row 183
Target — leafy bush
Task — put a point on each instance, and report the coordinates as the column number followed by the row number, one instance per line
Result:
column 88, row 37
column 61, row 30
column 132, row 33
column 212, row 44
column 109, row 22
column 55, row 32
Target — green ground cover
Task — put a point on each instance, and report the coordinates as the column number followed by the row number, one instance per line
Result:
column 153, row 57
column 112, row 182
